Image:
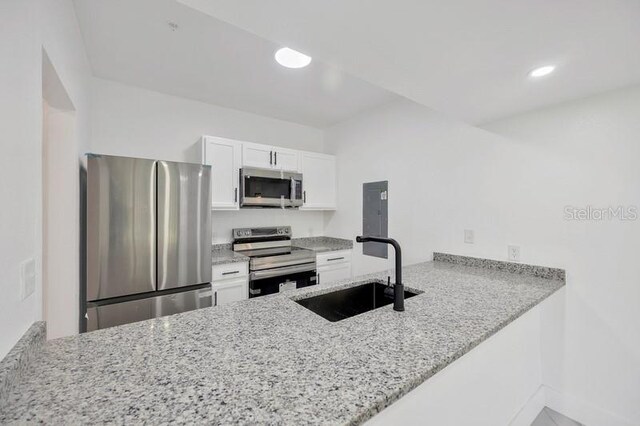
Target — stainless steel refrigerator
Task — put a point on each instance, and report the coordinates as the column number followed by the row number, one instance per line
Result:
column 148, row 239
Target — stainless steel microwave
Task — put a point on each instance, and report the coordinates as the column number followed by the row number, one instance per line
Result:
column 270, row 188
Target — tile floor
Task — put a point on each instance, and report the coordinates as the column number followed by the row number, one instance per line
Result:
column 548, row 417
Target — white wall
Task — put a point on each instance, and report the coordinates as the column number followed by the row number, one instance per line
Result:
column 303, row 223
column 598, row 359
column 136, row 122
column 26, row 28
column 445, row 176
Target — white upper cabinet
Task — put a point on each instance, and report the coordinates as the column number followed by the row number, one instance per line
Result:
column 269, row 157
column 225, row 158
column 257, row 155
column 286, row 159
column 318, row 181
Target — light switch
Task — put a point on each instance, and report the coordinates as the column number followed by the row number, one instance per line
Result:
column 469, row 236
column 27, row 278
column 514, row 253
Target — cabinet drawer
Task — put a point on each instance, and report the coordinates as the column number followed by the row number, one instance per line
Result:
column 333, row 257
column 230, row 270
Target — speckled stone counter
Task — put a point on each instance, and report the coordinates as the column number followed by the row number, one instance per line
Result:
column 323, row 244
column 222, row 253
column 270, row 360
column 14, row 364
column 514, row 267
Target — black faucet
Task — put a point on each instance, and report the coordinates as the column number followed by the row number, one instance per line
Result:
column 398, row 288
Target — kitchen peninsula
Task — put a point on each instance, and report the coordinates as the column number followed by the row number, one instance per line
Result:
column 270, row 360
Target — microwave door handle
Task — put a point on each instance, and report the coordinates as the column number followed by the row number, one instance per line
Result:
column 293, row 190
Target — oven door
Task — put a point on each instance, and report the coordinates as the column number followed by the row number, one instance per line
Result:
column 271, row 281
column 270, row 188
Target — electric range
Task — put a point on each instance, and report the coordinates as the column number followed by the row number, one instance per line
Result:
column 274, row 264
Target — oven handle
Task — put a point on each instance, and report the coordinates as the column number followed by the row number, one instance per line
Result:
column 270, row 273
column 256, row 266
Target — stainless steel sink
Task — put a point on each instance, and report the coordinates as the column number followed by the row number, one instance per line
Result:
column 348, row 302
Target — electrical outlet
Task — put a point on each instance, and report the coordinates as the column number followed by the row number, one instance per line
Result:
column 514, row 253
column 27, row 278
column 468, row 236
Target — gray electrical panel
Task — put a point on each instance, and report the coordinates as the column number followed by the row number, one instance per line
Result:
column 375, row 217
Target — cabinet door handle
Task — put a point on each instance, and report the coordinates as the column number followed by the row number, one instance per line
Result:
column 235, row 195
column 318, row 279
column 215, row 298
column 335, row 258
column 271, row 158
column 304, row 196
column 230, row 272
column 275, row 157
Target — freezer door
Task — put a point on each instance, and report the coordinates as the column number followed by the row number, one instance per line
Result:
column 104, row 316
column 184, row 224
column 121, row 226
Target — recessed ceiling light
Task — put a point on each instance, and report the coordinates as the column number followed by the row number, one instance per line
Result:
column 292, row 58
column 542, row 71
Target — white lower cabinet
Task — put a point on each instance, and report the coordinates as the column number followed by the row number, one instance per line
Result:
column 231, row 291
column 329, row 274
column 230, row 283
column 333, row 266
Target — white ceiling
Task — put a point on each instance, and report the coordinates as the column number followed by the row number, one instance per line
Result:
column 130, row 41
column 467, row 58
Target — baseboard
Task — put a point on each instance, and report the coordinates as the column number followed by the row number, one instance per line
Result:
column 531, row 409
column 572, row 407
column 581, row 411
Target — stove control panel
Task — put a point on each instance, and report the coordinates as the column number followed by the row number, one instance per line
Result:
column 263, row 233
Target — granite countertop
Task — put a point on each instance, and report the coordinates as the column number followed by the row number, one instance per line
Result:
column 270, row 360
column 323, row 244
column 222, row 253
